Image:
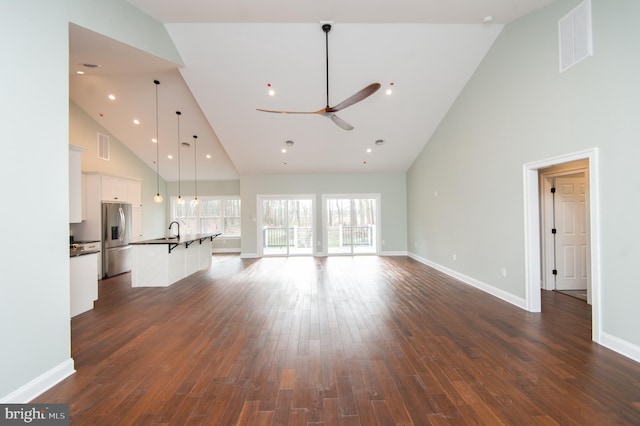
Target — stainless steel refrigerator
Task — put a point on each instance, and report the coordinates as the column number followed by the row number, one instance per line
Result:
column 116, row 236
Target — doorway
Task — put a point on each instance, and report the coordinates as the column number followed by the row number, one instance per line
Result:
column 564, row 213
column 286, row 225
column 534, row 271
column 351, row 224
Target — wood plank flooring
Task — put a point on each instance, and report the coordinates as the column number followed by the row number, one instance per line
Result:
column 338, row 341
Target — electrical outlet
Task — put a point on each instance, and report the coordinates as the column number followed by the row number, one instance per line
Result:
column 455, row 256
column 503, row 272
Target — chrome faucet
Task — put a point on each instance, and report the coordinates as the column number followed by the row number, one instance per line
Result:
column 171, row 224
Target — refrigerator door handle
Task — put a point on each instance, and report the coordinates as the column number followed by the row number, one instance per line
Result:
column 123, row 224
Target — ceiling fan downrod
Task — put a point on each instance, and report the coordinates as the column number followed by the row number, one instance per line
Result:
column 326, row 28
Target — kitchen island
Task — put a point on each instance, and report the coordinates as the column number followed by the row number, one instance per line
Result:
column 163, row 261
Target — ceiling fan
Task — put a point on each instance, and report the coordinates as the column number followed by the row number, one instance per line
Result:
column 329, row 111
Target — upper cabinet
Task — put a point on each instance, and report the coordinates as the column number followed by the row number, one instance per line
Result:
column 134, row 191
column 99, row 188
column 75, row 184
column 114, row 189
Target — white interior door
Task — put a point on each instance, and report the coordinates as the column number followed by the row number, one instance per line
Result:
column 571, row 233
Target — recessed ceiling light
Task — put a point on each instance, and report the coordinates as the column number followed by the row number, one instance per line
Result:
column 368, row 149
column 208, row 155
column 136, row 121
column 112, row 97
column 170, row 157
column 390, row 88
column 271, row 91
column 80, row 72
column 488, row 19
column 154, row 140
column 284, row 150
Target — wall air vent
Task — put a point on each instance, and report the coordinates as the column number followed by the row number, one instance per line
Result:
column 574, row 36
column 103, row 146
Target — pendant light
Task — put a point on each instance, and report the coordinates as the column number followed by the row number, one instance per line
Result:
column 180, row 200
column 195, row 169
column 157, row 198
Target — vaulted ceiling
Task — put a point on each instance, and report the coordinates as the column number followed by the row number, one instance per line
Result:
column 234, row 51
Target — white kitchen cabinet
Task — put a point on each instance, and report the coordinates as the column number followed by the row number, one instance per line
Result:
column 136, row 223
column 75, row 184
column 83, row 283
column 114, row 189
column 134, row 193
column 91, row 227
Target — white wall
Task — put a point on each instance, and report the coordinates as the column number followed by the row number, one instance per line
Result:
column 34, row 284
column 518, row 109
column 34, row 111
column 391, row 187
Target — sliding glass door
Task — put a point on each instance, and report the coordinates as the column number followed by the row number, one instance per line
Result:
column 351, row 224
column 286, row 225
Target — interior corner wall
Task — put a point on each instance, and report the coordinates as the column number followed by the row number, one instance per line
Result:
column 517, row 109
column 34, row 284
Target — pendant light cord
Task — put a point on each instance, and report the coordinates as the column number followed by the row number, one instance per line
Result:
column 195, row 166
column 157, row 83
column 178, row 113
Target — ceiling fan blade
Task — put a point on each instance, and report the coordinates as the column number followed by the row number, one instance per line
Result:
column 339, row 121
column 329, row 111
column 361, row 95
column 290, row 112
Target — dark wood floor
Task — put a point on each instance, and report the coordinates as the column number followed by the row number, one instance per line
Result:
column 338, row 341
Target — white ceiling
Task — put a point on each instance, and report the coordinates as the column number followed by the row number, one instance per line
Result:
column 232, row 50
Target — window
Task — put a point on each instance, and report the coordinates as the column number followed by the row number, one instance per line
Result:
column 210, row 215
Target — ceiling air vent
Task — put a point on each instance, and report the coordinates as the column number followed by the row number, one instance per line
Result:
column 103, row 146
column 574, row 34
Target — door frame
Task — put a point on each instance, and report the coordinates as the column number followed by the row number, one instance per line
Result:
column 546, row 219
column 288, row 197
column 531, row 180
column 325, row 237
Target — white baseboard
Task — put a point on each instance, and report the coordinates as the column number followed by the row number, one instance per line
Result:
column 393, row 253
column 249, row 256
column 500, row 294
column 225, row 250
column 623, row 347
column 614, row 343
column 40, row 384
